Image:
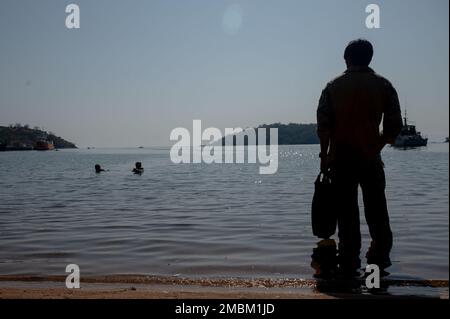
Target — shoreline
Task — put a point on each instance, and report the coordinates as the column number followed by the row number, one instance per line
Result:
column 160, row 287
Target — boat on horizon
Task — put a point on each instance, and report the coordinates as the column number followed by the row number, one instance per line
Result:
column 409, row 137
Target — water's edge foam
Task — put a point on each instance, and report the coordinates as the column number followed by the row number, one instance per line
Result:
column 223, row 282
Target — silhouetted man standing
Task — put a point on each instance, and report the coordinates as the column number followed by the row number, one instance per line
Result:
column 349, row 115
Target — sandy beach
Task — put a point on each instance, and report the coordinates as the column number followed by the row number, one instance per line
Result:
column 119, row 292
column 152, row 287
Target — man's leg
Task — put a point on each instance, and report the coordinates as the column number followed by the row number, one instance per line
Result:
column 373, row 185
column 348, row 219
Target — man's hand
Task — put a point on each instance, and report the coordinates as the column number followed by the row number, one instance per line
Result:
column 324, row 160
column 383, row 142
column 324, row 165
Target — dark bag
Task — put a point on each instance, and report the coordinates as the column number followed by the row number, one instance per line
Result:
column 323, row 214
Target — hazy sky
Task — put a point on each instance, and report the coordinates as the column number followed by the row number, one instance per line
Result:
column 137, row 69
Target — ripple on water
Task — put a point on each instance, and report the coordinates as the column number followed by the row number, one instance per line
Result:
column 200, row 219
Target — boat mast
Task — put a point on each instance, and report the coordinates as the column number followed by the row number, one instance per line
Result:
column 406, row 117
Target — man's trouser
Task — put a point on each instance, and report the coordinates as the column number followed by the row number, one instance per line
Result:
column 370, row 176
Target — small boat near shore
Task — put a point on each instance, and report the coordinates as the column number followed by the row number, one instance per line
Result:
column 44, row 145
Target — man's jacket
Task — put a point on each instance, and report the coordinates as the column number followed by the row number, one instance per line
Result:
column 351, row 109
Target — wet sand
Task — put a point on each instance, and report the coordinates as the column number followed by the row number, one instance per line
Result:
column 152, row 287
column 182, row 292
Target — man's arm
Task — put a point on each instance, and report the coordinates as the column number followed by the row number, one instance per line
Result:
column 392, row 119
column 325, row 120
column 324, row 144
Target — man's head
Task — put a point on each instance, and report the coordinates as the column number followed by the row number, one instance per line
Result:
column 358, row 53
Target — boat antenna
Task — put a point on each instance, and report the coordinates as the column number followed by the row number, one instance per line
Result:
column 406, row 114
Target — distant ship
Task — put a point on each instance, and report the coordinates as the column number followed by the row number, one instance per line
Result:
column 409, row 137
column 43, row 145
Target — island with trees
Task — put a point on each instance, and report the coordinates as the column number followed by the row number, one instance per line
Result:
column 17, row 137
column 288, row 134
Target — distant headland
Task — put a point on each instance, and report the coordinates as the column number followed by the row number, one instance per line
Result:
column 19, row 137
column 289, row 134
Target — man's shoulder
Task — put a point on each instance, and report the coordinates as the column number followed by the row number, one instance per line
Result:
column 344, row 77
column 382, row 79
column 336, row 80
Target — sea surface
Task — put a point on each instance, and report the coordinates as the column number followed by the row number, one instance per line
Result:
column 201, row 220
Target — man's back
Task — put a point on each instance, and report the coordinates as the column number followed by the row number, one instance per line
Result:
column 351, row 110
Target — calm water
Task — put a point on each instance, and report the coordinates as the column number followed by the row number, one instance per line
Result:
column 201, row 220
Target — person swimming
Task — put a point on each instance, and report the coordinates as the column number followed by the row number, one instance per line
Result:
column 138, row 169
column 98, row 168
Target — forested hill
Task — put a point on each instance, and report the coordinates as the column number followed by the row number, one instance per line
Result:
column 24, row 135
column 294, row 133
column 289, row 134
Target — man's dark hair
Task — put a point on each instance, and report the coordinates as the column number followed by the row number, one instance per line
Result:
column 359, row 52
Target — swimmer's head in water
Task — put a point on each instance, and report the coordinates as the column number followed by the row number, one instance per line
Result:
column 138, row 165
column 98, row 168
